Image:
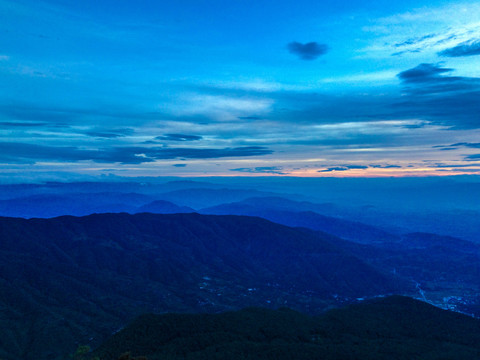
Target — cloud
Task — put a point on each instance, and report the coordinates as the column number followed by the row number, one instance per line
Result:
column 414, row 40
column 464, row 49
column 336, row 168
column 109, row 133
column 430, row 93
column 202, row 153
column 11, row 152
column 474, row 157
column 307, row 51
column 22, row 124
column 468, row 171
column 424, row 30
column 441, row 165
column 249, row 118
column 262, row 170
column 467, row 144
column 178, row 137
column 423, row 73
column 344, row 168
column 386, row 166
column 457, row 145
column 179, row 165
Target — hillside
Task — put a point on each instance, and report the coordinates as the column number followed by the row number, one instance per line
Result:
column 71, row 280
column 383, row 329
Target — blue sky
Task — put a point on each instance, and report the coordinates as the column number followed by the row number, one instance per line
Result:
column 207, row 87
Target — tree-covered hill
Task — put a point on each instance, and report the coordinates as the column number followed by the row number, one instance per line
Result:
column 383, row 329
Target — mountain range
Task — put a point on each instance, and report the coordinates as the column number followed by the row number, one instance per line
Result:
column 76, row 279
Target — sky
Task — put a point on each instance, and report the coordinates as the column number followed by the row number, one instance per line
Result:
column 238, row 88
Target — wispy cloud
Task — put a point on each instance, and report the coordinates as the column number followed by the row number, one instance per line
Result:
column 262, row 170
column 220, row 107
column 425, row 30
column 20, row 152
column 178, row 137
column 109, row 133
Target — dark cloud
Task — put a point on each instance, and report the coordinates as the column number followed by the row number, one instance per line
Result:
column 423, row 73
column 467, row 144
column 262, row 170
column 178, row 137
column 249, row 118
column 387, row 166
column 307, row 51
column 344, row 168
column 336, row 168
column 433, row 95
column 21, row 152
column 465, row 49
column 457, row 145
column 355, row 166
column 474, row 157
column 179, row 165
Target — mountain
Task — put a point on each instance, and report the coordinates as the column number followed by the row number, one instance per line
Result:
column 301, row 214
column 77, row 204
column 163, row 207
column 445, row 269
column 77, row 279
column 383, row 329
column 199, row 198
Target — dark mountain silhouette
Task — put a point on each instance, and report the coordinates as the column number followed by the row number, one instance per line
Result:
column 391, row 328
column 71, row 280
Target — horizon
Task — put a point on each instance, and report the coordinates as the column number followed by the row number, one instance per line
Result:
column 196, row 89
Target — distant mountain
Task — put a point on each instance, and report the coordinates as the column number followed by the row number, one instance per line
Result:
column 384, row 329
column 446, row 270
column 163, row 207
column 77, row 204
column 199, row 198
column 46, row 205
column 301, row 214
column 77, row 279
